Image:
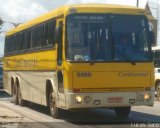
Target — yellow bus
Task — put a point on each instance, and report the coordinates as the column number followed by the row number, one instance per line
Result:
column 82, row 56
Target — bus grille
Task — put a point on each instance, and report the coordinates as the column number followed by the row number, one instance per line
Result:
column 111, row 89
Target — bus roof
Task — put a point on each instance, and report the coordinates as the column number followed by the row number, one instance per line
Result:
column 80, row 8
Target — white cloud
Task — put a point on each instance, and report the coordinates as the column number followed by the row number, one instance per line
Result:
column 20, row 10
column 142, row 3
column 93, row 1
column 74, row 2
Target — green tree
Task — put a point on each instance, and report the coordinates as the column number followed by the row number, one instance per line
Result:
column 1, row 22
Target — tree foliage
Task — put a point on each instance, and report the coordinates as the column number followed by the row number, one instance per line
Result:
column 1, row 21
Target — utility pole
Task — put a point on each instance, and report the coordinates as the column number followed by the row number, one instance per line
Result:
column 137, row 3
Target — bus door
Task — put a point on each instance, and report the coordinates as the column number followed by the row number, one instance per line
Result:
column 61, row 92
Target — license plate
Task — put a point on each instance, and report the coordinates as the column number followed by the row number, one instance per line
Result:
column 115, row 99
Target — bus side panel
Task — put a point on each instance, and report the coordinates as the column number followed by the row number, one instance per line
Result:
column 32, row 84
column 37, row 87
column 7, row 81
column 32, row 70
column 36, row 61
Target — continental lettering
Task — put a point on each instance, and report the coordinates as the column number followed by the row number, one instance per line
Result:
column 133, row 74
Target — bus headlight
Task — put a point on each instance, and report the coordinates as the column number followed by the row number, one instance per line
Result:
column 78, row 99
column 147, row 96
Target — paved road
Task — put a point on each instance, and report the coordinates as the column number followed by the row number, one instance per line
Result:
column 35, row 116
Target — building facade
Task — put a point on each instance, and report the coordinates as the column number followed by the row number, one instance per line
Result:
column 154, row 6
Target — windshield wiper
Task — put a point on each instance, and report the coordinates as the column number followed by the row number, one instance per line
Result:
column 126, row 57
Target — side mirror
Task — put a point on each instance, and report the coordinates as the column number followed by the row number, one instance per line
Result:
column 152, row 37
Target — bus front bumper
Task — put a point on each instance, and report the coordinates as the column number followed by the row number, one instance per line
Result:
column 109, row 99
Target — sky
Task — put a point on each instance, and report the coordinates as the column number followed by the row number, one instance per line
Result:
column 20, row 11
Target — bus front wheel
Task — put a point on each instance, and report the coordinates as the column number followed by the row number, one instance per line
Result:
column 122, row 112
column 54, row 110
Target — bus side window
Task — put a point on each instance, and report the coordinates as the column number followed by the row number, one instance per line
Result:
column 16, row 42
column 49, row 33
column 7, row 40
column 8, row 48
column 5, row 49
column 46, row 35
column 24, row 40
column 20, row 42
column 40, row 35
column 12, row 39
column 33, row 37
column 29, row 39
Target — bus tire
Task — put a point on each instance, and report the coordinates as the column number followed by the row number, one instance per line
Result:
column 54, row 110
column 158, row 91
column 122, row 112
column 15, row 95
column 20, row 100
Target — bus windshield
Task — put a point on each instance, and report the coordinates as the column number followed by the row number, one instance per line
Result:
column 112, row 37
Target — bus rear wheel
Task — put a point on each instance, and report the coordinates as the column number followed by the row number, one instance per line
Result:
column 158, row 91
column 15, row 95
column 122, row 112
column 54, row 110
column 20, row 100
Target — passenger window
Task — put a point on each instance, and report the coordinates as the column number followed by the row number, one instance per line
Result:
column 49, row 33
column 33, row 38
column 24, row 40
column 29, row 41
column 40, row 35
